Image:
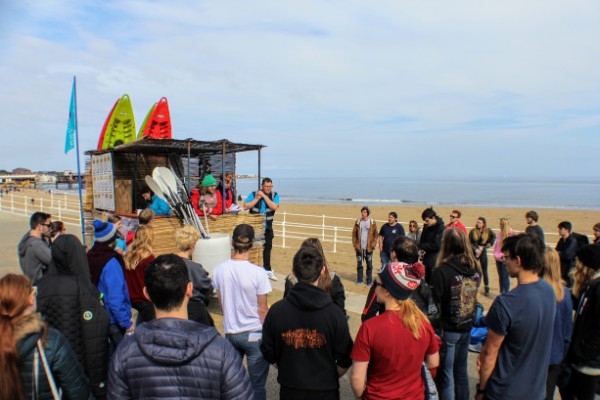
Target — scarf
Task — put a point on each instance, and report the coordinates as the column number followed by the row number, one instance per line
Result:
column 99, row 255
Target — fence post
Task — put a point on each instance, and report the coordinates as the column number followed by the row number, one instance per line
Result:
column 65, row 199
column 12, row 203
column 334, row 239
column 283, row 231
column 59, row 212
column 25, row 200
column 323, row 234
column 51, row 199
column 42, row 204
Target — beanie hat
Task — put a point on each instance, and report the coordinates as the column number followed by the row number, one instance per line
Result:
column 401, row 279
column 104, row 232
column 209, row 180
column 589, row 255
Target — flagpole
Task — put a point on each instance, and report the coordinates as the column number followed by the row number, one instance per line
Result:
column 78, row 167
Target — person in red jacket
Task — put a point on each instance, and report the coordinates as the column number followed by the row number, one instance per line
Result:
column 210, row 201
column 455, row 221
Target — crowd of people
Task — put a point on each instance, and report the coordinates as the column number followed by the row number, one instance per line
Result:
column 67, row 323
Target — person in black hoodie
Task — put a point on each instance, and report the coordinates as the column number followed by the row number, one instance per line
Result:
column 431, row 239
column 455, row 282
column 306, row 333
column 330, row 282
column 70, row 303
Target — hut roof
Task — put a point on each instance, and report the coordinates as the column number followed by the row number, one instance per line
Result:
column 148, row 145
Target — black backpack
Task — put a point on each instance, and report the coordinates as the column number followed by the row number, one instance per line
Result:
column 582, row 240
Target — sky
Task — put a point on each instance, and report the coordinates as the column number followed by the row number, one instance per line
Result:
column 332, row 88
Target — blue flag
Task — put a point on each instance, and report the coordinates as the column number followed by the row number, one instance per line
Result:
column 72, row 124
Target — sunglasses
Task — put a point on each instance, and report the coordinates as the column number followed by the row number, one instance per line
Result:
column 46, row 225
column 453, row 216
column 375, row 284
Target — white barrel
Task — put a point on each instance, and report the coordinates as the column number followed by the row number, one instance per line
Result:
column 211, row 252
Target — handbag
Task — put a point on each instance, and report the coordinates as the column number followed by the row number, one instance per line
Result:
column 431, row 392
column 37, row 355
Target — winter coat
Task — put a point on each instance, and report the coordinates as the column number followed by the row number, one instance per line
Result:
column 431, row 242
column 65, row 369
column 585, row 342
column 371, row 239
column 176, row 358
column 70, row 303
column 338, row 294
column 34, row 257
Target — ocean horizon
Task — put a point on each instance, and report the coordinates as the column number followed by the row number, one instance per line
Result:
column 560, row 193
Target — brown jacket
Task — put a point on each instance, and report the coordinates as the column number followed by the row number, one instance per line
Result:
column 371, row 240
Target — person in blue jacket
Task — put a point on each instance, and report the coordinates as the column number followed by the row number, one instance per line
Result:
column 106, row 272
column 155, row 203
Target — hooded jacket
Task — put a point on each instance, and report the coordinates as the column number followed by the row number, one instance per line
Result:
column 70, row 303
column 454, row 286
column 304, row 333
column 34, row 257
column 185, row 360
column 64, row 367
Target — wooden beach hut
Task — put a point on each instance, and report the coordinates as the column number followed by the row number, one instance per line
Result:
column 115, row 178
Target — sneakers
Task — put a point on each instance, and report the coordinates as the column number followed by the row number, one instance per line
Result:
column 369, row 282
column 271, row 275
column 359, row 282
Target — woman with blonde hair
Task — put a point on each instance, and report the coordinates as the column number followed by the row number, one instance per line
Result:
column 330, row 282
column 137, row 259
column 185, row 240
column 482, row 238
column 414, row 232
column 503, row 277
column 390, row 349
column 26, row 341
column 584, row 352
column 455, row 282
column 563, row 320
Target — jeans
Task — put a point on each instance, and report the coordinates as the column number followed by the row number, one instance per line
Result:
column 269, row 235
column 483, row 260
column 258, row 367
column 385, row 258
column 368, row 257
column 503, row 278
column 454, row 381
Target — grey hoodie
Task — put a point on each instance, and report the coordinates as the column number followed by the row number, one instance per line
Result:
column 34, row 257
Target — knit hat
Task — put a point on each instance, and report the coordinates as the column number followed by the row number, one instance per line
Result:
column 401, row 279
column 589, row 255
column 209, row 180
column 104, row 232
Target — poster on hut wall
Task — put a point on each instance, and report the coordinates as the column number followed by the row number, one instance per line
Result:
column 102, row 182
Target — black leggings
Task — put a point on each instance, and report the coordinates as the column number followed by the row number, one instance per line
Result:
column 580, row 387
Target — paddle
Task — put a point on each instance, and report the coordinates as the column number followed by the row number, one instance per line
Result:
column 158, row 190
column 170, row 181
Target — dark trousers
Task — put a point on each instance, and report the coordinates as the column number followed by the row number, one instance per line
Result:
column 115, row 336
column 580, row 387
column 298, row 394
column 553, row 372
column 269, row 235
column 368, row 258
column 483, row 260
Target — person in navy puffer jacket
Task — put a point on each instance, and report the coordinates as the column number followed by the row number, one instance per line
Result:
column 172, row 357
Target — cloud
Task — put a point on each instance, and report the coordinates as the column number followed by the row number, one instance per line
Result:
column 319, row 81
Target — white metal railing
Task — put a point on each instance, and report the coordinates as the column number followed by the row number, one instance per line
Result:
column 63, row 207
column 334, row 232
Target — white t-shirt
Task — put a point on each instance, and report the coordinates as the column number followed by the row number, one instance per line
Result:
column 239, row 283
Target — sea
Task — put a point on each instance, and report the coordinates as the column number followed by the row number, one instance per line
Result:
column 563, row 193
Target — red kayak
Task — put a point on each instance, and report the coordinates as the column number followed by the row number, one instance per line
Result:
column 158, row 123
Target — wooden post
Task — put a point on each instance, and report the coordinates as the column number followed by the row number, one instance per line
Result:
column 334, row 239
column 283, row 231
